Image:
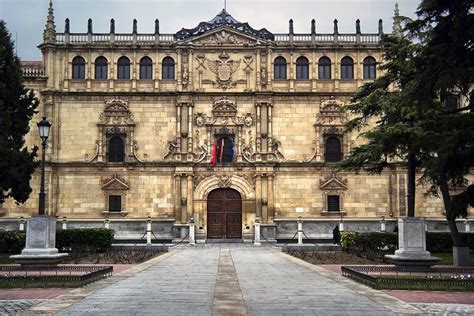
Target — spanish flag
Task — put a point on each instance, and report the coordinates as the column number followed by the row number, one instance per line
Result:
column 221, row 156
column 214, row 153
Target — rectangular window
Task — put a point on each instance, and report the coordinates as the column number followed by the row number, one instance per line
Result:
column 115, row 203
column 333, row 203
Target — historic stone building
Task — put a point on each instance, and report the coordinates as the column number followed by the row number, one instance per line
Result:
column 221, row 123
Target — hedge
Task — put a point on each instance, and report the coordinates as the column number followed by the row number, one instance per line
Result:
column 374, row 245
column 92, row 239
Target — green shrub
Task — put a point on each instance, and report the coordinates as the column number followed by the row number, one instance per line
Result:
column 88, row 239
column 12, row 241
column 374, row 245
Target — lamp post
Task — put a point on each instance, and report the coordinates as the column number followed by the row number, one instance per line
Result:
column 44, row 127
column 40, row 247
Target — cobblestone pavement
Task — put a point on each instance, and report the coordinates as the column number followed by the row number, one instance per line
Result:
column 212, row 279
column 12, row 307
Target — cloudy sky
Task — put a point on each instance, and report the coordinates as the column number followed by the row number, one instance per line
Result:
column 26, row 18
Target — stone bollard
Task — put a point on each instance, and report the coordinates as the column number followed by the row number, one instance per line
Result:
column 22, row 223
column 64, row 223
column 382, row 224
column 192, row 239
column 341, row 224
column 256, row 240
column 148, row 231
column 300, row 231
column 467, row 226
column 107, row 223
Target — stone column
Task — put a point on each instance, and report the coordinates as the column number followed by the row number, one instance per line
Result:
column 190, row 70
column 264, row 200
column 190, row 130
column 239, row 143
column 270, row 126
column 177, row 197
column 271, row 205
column 257, row 69
column 258, row 196
column 178, row 125
column 189, row 199
column 258, row 143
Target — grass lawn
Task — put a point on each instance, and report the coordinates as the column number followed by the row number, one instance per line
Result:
column 447, row 258
column 5, row 258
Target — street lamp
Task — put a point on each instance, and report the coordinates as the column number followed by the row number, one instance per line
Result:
column 44, row 127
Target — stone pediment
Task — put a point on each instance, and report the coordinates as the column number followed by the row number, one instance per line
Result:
column 115, row 183
column 333, row 183
column 224, row 29
column 223, row 36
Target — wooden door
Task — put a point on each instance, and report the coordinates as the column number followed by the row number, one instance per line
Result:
column 224, row 214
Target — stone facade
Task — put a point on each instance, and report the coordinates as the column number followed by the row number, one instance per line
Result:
column 224, row 83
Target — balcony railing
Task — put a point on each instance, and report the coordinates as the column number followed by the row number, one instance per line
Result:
column 33, row 72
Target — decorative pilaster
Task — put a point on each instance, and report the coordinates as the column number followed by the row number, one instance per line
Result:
column 177, row 197
column 178, row 126
column 189, row 205
column 258, row 196
column 190, row 131
column 271, row 199
column 258, row 107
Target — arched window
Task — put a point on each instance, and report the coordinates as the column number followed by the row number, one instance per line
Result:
column 347, row 68
column 78, row 68
column 369, row 68
column 100, row 68
column 279, row 70
column 123, row 68
column 324, row 68
column 167, row 68
column 116, row 149
column 146, row 67
column 333, row 152
column 302, row 68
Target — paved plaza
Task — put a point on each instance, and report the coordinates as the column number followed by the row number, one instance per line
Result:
column 227, row 279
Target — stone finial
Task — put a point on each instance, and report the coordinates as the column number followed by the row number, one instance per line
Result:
column 336, row 29
column 112, row 26
column 157, row 26
column 49, row 33
column 134, row 26
column 66, row 26
column 89, row 26
column 313, row 26
column 291, row 26
column 380, row 27
column 358, row 26
column 397, row 28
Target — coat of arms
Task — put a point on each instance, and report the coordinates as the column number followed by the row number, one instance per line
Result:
column 224, row 67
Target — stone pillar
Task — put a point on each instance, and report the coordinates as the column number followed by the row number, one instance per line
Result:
column 341, row 224
column 148, row 231
column 257, row 232
column 178, row 125
column 258, row 128
column 189, row 205
column 300, row 232
column 264, row 199
column 270, row 126
column 22, row 224
column 64, row 223
column 271, row 202
column 177, row 197
column 382, row 224
column 258, row 196
column 107, row 223
column 190, row 131
column 192, row 239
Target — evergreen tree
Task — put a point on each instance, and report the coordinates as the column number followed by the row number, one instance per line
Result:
column 431, row 62
column 17, row 107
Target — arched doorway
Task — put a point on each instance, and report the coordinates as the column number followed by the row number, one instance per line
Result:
column 224, row 214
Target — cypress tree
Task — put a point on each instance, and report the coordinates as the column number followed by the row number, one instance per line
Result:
column 17, row 107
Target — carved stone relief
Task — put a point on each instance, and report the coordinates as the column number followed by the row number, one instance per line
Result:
column 224, row 68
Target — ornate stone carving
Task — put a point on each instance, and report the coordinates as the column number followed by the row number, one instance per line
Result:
column 185, row 78
column 202, row 119
column 115, row 183
column 248, row 60
column 223, row 19
column 172, row 148
column 116, row 119
column 223, row 68
column 224, row 107
column 224, row 181
column 333, row 183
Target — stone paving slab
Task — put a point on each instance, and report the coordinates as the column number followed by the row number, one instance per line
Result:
column 231, row 279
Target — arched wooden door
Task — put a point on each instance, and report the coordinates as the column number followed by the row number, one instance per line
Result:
column 224, row 214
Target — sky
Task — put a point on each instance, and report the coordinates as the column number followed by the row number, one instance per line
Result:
column 26, row 19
